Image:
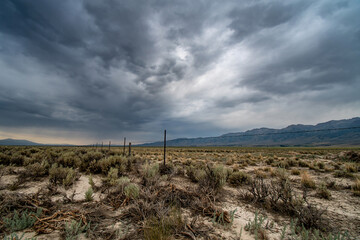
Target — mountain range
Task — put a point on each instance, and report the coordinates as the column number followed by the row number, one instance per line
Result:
column 332, row 133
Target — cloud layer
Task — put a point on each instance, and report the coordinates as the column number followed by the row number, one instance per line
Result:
column 92, row 70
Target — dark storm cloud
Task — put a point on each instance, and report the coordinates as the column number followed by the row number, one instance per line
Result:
column 108, row 67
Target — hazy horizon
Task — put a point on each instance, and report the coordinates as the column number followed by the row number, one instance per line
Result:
column 80, row 72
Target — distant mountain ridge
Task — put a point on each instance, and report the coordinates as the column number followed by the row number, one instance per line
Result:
column 22, row 142
column 18, row 142
column 293, row 135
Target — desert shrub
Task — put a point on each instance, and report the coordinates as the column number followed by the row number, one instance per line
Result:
column 301, row 233
column 280, row 196
column 163, row 227
column 195, row 174
column 292, row 163
column 17, row 159
column 69, row 159
column 151, row 170
column 132, row 191
column 92, row 155
column 166, row 169
column 89, row 194
column 37, row 169
column 112, row 176
column 307, row 181
column 323, row 192
column 66, row 176
column 281, row 173
column 89, row 162
column 214, row 179
column 20, row 222
column 122, row 182
column 113, row 161
column 238, row 178
column 303, row 164
column 5, row 159
column 91, row 182
column 70, row 177
column 352, row 156
column 74, row 229
column 15, row 236
column 92, row 167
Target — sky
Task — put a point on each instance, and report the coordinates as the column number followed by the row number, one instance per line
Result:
column 87, row 71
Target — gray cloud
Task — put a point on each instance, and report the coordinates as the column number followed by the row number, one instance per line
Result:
column 109, row 68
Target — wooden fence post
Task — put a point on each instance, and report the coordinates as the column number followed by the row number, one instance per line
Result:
column 109, row 145
column 129, row 149
column 164, row 146
column 124, row 145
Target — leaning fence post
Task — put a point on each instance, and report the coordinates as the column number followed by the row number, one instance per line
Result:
column 129, row 149
column 164, row 146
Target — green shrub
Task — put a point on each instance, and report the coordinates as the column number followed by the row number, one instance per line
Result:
column 91, row 182
column 112, row 176
column 132, row 191
column 195, row 174
column 38, row 169
column 89, row 195
column 15, row 236
column 163, row 227
column 70, row 177
column 5, row 159
column 20, row 222
column 122, row 182
column 151, row 171
column 66, row 176
column 74, row 229
column 69, row 159
column 17, row 159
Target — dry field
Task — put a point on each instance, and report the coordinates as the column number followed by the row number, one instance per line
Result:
column 201, row 193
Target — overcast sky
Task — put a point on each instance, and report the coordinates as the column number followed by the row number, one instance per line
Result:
column 87, row 71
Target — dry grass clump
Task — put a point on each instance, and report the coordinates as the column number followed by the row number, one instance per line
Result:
column 323, row 192
column 351, row 167
column 307, row 181
column 295, row 171
column 356, row 187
